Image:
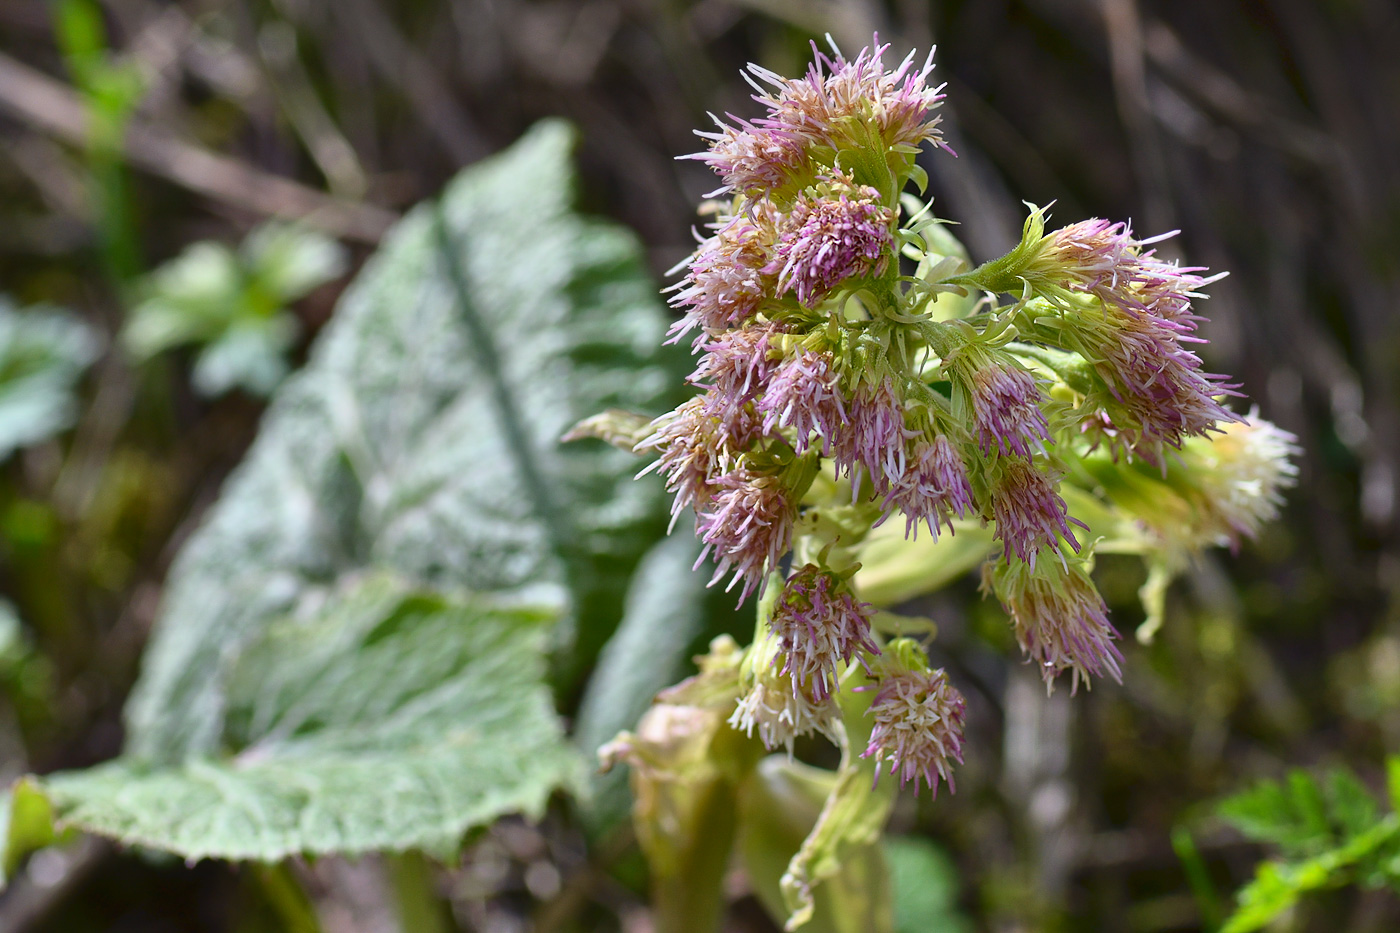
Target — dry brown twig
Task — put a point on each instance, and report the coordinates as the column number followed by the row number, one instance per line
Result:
column 49, row 106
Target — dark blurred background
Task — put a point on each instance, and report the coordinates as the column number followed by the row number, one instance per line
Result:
column 1267, row 131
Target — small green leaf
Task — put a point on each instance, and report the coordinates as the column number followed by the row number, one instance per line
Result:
column 1292, row 816
column 287, row 261
column 1349, row 804
column 43, row 353
column 1272, row 892
column 250, row 353
column 1310, row 808
column 193, row 298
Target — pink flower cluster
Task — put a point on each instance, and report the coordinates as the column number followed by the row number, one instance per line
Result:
column 835, row 106
column 1060, row 619
column 918, row 727
column 778, row 388
column 827, row 240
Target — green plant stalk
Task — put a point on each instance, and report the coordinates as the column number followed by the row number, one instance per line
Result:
column 287, row 899
column 420, row 909
column 1202, row 890
column 111, row 93
column 690, row 898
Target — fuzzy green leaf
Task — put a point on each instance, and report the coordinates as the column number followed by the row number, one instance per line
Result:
column 291, row 699
column 392, row 718
column 423, row 438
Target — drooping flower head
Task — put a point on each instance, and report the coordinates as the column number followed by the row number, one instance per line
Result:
column 694, row 447
column 838, row 231
column 1146, row 391
column 918, row 727
column 1006, row 408
column 1060, row 619
column 781, row 713
column 819, row 623
column 1030, row 514
column 933, row 489
column 735, row 367
column 725, row 285
column 1106, row 297
column 874, row 437
column 773, row 703
column 747, row 525
column 804, row 393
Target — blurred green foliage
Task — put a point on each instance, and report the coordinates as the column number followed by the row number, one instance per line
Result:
column 43, row 354
column 233, row 305
column 1330, row 833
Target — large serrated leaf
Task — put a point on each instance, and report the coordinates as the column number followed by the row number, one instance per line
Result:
column 422, row 438
column 393, row 718
column 316, row 683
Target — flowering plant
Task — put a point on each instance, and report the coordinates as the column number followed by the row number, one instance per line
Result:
column 860, row 382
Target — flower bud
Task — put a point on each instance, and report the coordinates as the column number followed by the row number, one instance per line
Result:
column 839, row 232
column 747, row 524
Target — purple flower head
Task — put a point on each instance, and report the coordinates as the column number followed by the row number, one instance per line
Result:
column 1103, row 259
column 933, row 489
column 1029, row 513
column 747, row 524
column 736, row 366
column 918, row 728
column 757, row 158
column 840, row 102
column 694, row 447
column 874, row 437
column 804, row 393
column 1153, row 393
column 818, row 624
column 827, row 239
column 1006, row 410
column 1060, row 619
column 725, row 284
